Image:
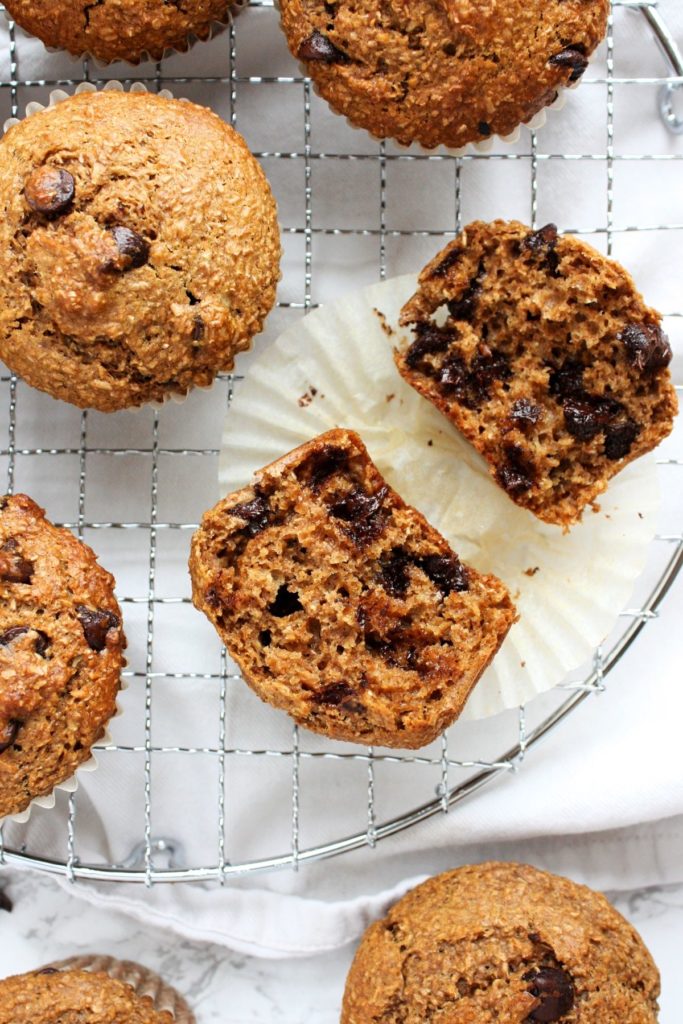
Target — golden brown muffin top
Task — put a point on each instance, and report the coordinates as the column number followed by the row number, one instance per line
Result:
column 74, row 997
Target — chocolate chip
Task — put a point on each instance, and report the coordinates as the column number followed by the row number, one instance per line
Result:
column 647, row 346
column 42, row 640
column 542, row 243
column 619, row 439
column 555, row 990
column 265, row 638
column 573, row 57
column 394, row 573
column 323, row 464
column 50, row 191
column 255, row 513
column 567, row 380
column 463, row 308
column 96, row 624
column 319, row 47
column 446, row 572
column 133, row 250
column 8, row 734
column 286, row 603
column 339, row 695
column 517, row 473
column 362, row 512
column 429, row 339
column 472, row 386
column 450, row 259
column 5, row 902
column 586, row 416
column 484, row 129
column 524, row 413
column 13, row 567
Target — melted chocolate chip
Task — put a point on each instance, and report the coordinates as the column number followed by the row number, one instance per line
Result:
column 525, row 413
column 429, row 339
column 96, row 624
column 555, row 990
column 394, row 573
column 362, row 513
column 339, row 695
column 8, row 734
column 286, row 603
column 572, row 57
column 472, row 386
column 13, row 567
column 647, row 346
column 322, row 464
column 567, row 380
column 446, row 572
column 517, row 473
column 198, row 328
column 319, row 47
column 50, row 191
column 542, row 243
column 133, row 250
column 255, row 513
column 586, row 416
column 463, row 308
column 619, row 438
column 449, row 260
column 265, row 638
column 42, row 640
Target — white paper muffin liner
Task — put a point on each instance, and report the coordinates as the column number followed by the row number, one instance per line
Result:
column 142, row 980
column 335, row 368
column 58, row 96
column 215, row 29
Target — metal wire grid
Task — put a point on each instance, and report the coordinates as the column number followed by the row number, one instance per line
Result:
column 142, row 863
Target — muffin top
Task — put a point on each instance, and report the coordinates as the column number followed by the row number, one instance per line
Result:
column 61, row 653
column 442, row 72
column 118, row 29
column 74, row 997
column 501, row 943
column 139, row 248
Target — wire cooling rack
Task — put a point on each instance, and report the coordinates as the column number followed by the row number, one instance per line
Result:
column 134, row 485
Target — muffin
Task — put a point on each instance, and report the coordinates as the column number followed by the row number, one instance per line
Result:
column 139, row 248
column 442, row 72
column 118, row 29
column 91, row 990
column 542, row 352
column 340, row 603
column 501, row 943
column 61, row 653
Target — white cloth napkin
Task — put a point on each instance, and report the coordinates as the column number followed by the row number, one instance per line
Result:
column 602, row 799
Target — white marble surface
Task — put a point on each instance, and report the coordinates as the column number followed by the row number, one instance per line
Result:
column 48, row 923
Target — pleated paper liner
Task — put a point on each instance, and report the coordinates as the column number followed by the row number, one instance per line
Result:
column 145, row 983
column 335, row 368
column 58, row 96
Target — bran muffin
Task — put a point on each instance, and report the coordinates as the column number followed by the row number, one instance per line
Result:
column 61, row 653
column 501, row 943
column 543, row 354
column 118, row 29
column 442, row 72
column 51, row 996
column 340, row 603
column 139, row 248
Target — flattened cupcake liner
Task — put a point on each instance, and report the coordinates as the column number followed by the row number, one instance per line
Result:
column 215, row 29
column 144, row 982
column 58, row 96
column 335, row 368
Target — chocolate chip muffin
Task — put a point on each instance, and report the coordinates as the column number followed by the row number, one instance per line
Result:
column 340, row 603
column 61, row 653
column 118, row 29
column 139, row 248
column 50, row 996
column 442, row 72
column 501, row 943
column 543, row 354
